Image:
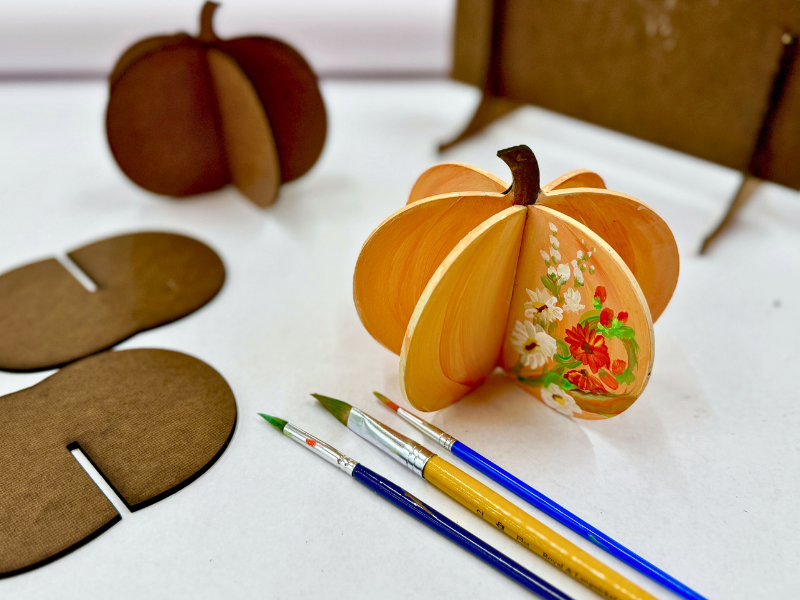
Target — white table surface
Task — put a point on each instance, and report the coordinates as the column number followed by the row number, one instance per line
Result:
column 700, row 476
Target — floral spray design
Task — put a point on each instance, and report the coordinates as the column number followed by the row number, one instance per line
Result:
column 567, row 366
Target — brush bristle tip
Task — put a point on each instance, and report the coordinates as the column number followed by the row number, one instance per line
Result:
column 339, row 409
column 277, row 423
column 386, row 401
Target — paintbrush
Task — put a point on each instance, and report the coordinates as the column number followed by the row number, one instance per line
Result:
column 488, row 504
column 540, row 501
column 420, row 511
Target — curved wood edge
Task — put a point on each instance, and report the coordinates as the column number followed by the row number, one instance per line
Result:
column 455, row 334
column 580, row 178
column 448, row 178
column 249, row 144
column 142, row 48
column 77, row 545
column 400, row 255
column 636, row 232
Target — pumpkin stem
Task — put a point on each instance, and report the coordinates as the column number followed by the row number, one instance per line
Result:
column 206, row 27
column 525, row 174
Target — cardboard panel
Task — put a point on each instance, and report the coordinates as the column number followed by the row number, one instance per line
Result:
column 290, row 94
column 162, row 125
column 150, row 420
column 694, row 76
column 188, row 115
column 249, row 143
column 143, row 280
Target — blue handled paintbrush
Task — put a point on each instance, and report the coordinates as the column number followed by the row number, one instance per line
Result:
column 421, row 511
column 542, row 502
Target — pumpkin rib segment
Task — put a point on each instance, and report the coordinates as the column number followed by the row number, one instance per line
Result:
column 143, row 48
column 449, row 178
column 402, row 253
column 580, row 178
column 621, row 293
column 289, row 93
column 635, row 231
column 252, row 158
column 161, row 125
column 454, row 336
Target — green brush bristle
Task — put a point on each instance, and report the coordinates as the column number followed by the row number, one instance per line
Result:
column 339, row 409
column 279, row 424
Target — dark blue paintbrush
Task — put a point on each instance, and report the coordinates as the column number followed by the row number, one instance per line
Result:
column 421, row 511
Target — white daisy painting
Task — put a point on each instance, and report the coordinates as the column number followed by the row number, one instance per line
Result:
column 557, row 399
column 534, row 345
column 542, row 307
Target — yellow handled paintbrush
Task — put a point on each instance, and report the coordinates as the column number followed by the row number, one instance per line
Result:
column 487, row 503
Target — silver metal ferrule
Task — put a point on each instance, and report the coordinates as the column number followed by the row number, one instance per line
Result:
column 407, row 452
column 320, row 448
column 445, row 440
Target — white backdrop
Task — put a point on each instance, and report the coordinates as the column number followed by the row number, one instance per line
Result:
column 336, row 37
column 699, row 476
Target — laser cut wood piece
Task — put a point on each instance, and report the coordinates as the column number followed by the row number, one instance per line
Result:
column 188, row 115
column 143, row 280
column 556, row 285
column 700, row 78
column 720, row 81
column 151, row 421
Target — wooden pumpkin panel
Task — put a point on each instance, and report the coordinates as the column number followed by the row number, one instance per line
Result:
column 579, row 334
column 456, row 332
column 402, row 254
column 142, row 48
column 634, row 230
column 246, row 133
column 289, row 93
column 580, row 178
column 162, row 124
column 455, row 177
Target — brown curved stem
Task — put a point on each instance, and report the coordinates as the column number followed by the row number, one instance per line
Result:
column 525, row 173
column 206, row 22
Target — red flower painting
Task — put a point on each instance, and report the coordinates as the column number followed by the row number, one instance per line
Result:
column 600, row 293
column 569, row 352
column 608, row 380
column 588, row 346
column 618, row 366
column 584, row 381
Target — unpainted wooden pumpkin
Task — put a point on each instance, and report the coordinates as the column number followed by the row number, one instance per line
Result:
column 557, row 285
column 188, row 115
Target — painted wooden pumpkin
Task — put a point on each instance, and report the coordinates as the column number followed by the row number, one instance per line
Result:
column 557, row 285
column 188, row 115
